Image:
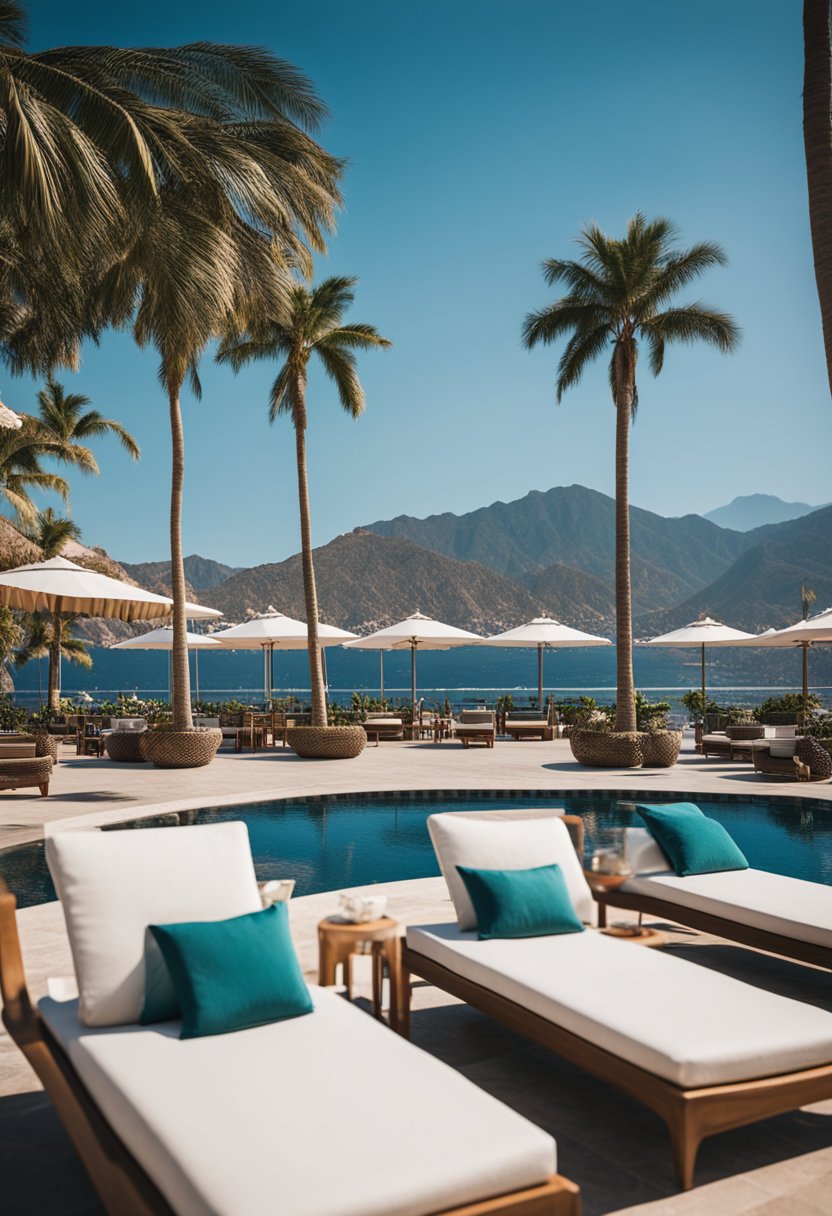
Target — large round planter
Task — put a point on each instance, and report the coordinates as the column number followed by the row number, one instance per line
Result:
column 607, row 748
column 180, row 748
column 125, row 746
column 45, row 744
column 327, row 742
column 660, row 748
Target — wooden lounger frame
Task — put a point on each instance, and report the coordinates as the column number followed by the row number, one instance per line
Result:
column 708, row 922
column 123, row 1186
column 690, row 1114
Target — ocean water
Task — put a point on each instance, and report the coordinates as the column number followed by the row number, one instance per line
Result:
column 465, row 675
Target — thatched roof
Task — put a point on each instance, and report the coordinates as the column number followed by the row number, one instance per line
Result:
column 15, row 549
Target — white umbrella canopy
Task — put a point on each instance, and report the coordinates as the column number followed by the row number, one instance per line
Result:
column 273, row 630
column 803, row 634
column 416, row 632
column 544, row 633
column 162, row 639
column 702, row 633
column 9, row 419
column 59, row 585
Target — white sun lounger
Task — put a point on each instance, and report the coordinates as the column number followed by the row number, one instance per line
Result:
column 327, row 1114
column 783, row 915
column 703, row 1050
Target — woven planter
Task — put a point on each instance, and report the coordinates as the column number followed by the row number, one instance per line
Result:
column 180, row 748
column 661, row 748
column 45, row 744
column 327, row 742
column 125, row 746
column 607, row 749
column 744, row 733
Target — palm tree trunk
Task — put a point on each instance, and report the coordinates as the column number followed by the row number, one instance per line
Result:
column 625, row 712
column 310, row 591
column 54, row 691
column 180, row 693
column 817, row 139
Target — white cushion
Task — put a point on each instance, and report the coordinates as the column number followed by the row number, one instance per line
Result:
column 686, row 1023
column 780, row 732
column 383, row 722
column 783, row 748
column 112, row 885
column 128, row 723
column 505, row 840
column 771, row 902
column 643, row 854
column 278, row 1119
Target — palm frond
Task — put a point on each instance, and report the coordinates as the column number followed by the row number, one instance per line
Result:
column 695, row 323
column 583, row 348
column 339, row 365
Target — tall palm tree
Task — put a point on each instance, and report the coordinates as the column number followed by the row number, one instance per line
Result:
column 203, row 187
column 68, row 420
column 817, row 140
column 314, row 326
column 619, row 294
column 52, row 637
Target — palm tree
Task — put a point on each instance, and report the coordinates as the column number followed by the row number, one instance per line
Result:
column 52, row 637
column 21, row 470
column 314, row 326
column 67, row 420
column 619, row 294
column 202, row 190
column 817, row 140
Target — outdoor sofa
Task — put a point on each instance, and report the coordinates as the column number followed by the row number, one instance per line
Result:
column 324, row 1114
column 26, row 771
column 783, row 915
column 703, row 1050
column 384, row 726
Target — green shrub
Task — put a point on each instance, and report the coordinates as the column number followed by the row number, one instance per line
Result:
column 12, row 717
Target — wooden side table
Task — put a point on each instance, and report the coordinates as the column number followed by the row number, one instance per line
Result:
column 643, row 936
column 339, row 940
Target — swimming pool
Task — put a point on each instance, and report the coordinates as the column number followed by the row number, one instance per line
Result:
column 355, row 840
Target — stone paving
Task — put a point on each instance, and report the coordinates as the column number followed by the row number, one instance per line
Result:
column 615, row 1149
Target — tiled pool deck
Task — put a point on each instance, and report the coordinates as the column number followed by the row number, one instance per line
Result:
column 615, row 1149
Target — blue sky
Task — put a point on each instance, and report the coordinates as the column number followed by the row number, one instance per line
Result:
column 481, row 134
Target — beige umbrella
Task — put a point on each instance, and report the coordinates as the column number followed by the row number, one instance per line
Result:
column 415, row 632
column 702, row 633
column 802, row 635
column 162, row 639
column 543, row 633
column 272, row 630
column 9, row 419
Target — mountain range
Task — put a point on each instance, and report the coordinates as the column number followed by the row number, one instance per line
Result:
column 549, row 552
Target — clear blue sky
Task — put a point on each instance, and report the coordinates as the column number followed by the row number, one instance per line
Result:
column 481, row 134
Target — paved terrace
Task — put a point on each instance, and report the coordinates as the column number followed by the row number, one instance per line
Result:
column 614, row 1148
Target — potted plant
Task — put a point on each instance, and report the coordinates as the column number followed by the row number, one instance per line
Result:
column 165, row 746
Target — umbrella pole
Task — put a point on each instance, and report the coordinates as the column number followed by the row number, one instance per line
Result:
column 196, row 674
column 413, row 646
column 540, row 678
column 325, row 672
column 271, row 674
column 805, row 649
column 381, row 672
column 703, row 683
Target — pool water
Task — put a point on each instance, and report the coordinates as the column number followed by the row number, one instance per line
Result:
column 352, row 841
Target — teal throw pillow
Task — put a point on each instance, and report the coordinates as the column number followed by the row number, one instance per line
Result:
column 693, row 843
column 233, row 974
column 520, row 903
column 160, row 1003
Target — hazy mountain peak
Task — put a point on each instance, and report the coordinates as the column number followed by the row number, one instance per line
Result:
column 749, row 511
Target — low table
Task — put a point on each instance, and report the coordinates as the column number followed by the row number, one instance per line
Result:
column 641, row 935
column 339, row 940
column 602, row 887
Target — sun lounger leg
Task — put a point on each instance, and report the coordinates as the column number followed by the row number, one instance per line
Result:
column 685, row 1138
column 400, row 993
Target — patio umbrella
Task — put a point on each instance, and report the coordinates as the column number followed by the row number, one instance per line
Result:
column 162, row 639
column 702, row 633
column 59, row 585
column 803, row 634
column 541, row 634
column 272, row 630
column 9, row 419
column 413, row 633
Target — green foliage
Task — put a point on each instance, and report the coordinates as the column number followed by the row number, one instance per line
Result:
column 651, row 715
column 12, row 717
column 362, row 705
column 152, row 709
column 789, row 704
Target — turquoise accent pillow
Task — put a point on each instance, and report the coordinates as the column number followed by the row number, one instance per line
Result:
column 693, row 843
column 520, row 903
column 160, row 1003
column 233, row 974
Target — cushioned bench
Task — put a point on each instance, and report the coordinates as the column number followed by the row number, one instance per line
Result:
column 323, row 1114
column 703, row 1050
column 784, row 915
